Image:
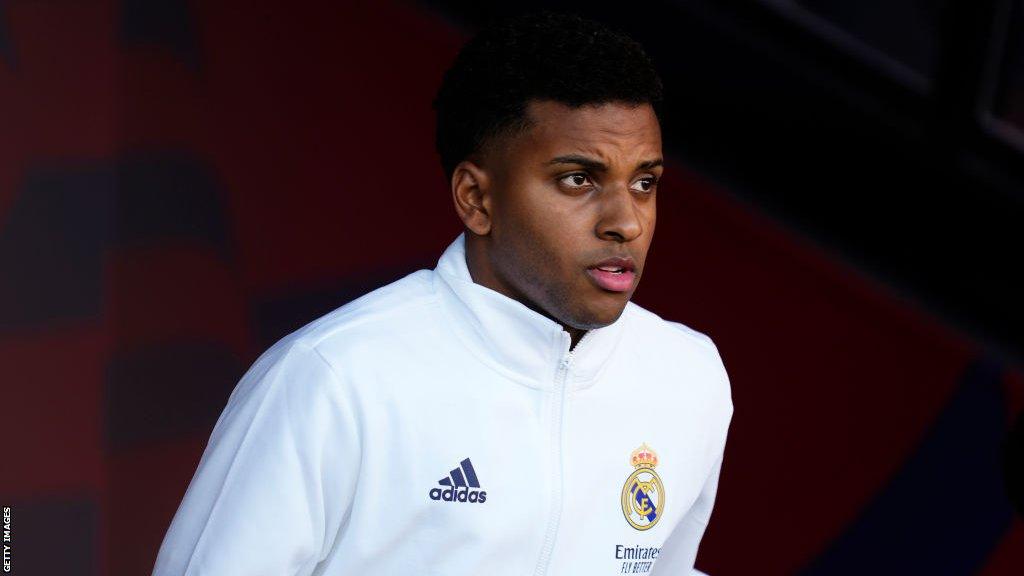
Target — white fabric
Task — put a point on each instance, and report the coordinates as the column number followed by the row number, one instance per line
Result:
column 324, row 460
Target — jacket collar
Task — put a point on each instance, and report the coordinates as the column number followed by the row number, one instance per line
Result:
column 519, row 342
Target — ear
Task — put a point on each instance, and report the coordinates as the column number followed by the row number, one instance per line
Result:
column 472, row 196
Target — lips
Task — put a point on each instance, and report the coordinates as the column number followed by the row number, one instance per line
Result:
column 613, row 274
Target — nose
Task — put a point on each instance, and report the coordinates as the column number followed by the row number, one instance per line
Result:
column 620, row 219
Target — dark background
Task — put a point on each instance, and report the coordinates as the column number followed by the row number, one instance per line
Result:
column 183, row 183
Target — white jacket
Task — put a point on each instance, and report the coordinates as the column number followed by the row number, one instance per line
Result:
column 438, row 427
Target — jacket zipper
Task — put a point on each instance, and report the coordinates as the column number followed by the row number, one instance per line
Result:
column 557, row 435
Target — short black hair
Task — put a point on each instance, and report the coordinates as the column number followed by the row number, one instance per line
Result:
column 541, row 55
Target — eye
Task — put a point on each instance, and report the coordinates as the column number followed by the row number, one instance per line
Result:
column 576, row 180
column 647, row 185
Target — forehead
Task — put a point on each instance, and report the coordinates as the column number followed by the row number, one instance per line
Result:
column 615, row 132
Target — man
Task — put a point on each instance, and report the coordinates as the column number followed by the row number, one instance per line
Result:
column 510, row 411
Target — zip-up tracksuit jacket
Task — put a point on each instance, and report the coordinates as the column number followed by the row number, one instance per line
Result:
column 437, row 427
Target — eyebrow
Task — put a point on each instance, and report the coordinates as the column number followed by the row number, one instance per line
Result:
column 597, row 165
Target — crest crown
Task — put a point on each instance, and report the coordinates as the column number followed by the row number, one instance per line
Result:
column 643, row 456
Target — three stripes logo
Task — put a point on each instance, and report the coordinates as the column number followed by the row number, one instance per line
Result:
column 460, row 483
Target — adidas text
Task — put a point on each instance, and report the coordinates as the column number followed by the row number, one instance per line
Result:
column 457, row 495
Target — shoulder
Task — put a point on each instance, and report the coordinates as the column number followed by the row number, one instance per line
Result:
column 304, row 378
column 381, row 324
column 399, row 305
column 679, row 349
column 364, row 329
column 674, row 334
column 378, row 324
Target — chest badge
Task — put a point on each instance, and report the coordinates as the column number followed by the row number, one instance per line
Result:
column 643, row 495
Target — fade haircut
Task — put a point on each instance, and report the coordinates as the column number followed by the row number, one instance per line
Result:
column 541, row 55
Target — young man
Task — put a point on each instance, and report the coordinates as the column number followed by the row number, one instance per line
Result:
column 510, row 411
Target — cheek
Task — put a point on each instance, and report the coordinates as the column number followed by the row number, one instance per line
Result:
column 534, row 201
column 538, row 215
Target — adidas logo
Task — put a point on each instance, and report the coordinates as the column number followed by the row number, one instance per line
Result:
column 458, row 483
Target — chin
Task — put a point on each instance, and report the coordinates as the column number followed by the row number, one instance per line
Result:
column 597, row 317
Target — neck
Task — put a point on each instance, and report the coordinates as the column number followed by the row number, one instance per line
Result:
column 575, row 334
column 481, row 271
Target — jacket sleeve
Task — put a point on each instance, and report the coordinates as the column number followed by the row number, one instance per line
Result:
column 275, row 482
column 679, row 552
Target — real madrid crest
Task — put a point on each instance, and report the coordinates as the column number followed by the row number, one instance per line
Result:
column 643, row 495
